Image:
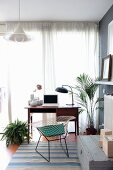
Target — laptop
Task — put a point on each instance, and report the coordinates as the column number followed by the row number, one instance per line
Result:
column 50, row 100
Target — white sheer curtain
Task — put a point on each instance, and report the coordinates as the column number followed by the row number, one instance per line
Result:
column 75, row 52
column 57, row 54
column 4, row 118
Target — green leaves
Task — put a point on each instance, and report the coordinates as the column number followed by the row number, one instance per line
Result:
column 15, row 133
column 86, row 85
column 86, row 90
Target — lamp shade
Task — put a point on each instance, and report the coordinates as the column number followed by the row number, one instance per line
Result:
column 61, row 90
column 64, row 90
column 18, row 36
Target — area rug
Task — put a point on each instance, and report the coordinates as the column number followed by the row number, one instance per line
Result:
column 26, row 157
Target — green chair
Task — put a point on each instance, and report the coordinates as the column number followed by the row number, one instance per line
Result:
column 59, row 131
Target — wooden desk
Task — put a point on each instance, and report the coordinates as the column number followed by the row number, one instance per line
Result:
column 60, row 111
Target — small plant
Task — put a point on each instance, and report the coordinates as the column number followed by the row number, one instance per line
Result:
column 15, row 132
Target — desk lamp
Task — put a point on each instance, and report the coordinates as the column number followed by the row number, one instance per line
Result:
column 64, row 90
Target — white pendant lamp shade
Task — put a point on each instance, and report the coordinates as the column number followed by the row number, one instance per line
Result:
column 18, row 35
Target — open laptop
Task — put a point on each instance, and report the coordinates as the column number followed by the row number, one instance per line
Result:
column 50, row 100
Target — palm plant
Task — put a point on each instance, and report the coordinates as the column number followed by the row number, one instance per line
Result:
column 86, row 97
column 15, row 132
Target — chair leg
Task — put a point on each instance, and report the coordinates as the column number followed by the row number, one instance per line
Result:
column 40, row 153
column 38, row 142
column 60, row 139
column 66, row 151
column 48, row 151
column 66, row 148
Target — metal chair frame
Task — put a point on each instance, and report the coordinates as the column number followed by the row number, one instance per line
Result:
column 59, row 137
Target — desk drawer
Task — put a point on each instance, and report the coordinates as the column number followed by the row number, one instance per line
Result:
column 67, row 111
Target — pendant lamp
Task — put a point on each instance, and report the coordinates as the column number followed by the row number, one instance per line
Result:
column 18, row 35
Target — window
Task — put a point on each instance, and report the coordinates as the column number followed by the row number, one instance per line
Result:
column 55, row 56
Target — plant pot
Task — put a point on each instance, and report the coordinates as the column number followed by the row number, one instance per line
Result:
column 91, row 131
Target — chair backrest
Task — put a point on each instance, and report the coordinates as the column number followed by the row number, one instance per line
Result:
column 65, row 120
column 52, row 130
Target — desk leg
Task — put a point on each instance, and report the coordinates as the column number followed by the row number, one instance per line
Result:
column 31, row 118
column 28, row 125
column 77, row 125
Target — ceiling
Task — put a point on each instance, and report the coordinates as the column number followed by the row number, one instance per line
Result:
column 54, row 10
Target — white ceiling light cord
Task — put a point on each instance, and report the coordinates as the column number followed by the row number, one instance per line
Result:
column 18, row 35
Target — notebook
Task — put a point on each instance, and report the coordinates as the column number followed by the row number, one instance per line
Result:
column 50, row 100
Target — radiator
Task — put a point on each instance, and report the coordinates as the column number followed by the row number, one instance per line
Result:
column 108, row 112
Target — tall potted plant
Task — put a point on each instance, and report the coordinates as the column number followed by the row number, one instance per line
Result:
column 15, row 132
column 86, row 97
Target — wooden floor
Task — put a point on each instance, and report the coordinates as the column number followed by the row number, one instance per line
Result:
column 6, row 153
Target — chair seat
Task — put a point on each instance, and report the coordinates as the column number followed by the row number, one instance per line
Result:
column 52, row 130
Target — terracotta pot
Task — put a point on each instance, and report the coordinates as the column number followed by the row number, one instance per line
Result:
column 91, row 131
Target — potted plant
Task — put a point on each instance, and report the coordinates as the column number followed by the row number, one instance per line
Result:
column 15, row 132
column 87, row 99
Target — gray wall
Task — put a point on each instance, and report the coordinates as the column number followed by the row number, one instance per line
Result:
column 103, row 32
column 103, row 28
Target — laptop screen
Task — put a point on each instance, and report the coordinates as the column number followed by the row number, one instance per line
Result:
column 50, row 99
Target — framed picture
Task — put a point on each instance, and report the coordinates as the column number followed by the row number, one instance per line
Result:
column 106, row 68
